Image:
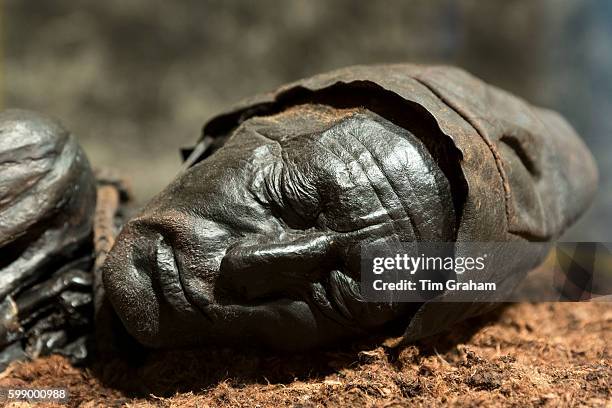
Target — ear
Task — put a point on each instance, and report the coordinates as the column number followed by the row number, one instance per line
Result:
column 288, row 265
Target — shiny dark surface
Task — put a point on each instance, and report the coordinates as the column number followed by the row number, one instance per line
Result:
column 47, row 200
column 258, row 241
column 295, row 195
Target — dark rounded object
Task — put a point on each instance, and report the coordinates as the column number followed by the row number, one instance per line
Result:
column 258, row 240
column 47, row 198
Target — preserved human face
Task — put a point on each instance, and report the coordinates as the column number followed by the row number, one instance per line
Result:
column 260, row 242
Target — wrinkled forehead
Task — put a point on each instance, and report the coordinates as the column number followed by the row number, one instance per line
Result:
column 352, row 164
column 302, row 130
column 320, row 147
column 337, row 146
column 295, row 128
column 297, row 122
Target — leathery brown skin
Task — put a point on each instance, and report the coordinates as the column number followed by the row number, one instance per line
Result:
column 259, row 241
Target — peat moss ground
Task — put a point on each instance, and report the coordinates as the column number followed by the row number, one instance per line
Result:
column 524, row 355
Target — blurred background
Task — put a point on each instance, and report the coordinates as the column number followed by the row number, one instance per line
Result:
column 135, row 80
